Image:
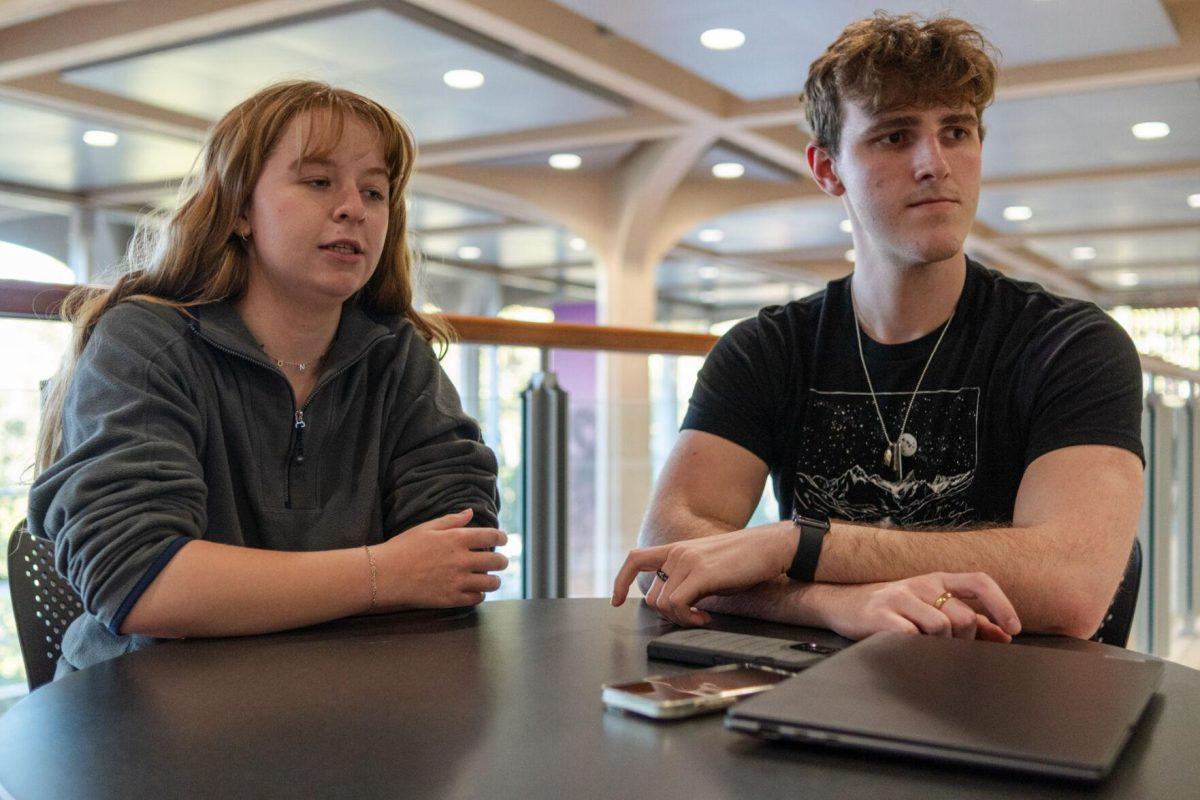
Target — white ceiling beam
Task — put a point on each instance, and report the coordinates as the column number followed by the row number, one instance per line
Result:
column 48, row 91
column 1170, row 169
column 1092, row 268
column 1026, row 265
column 92, row 33
column 640, row 126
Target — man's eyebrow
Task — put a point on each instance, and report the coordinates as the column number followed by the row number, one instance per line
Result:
column 904, row 121
column 961, row 118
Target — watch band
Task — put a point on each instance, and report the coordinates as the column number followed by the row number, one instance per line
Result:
column 808, row 549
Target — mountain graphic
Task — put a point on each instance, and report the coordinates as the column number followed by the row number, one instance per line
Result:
column 858, row 495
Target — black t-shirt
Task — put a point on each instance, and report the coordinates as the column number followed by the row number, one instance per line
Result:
column 1019, row 373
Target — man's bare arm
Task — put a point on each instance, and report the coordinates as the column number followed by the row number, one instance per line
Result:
column 1074, row 521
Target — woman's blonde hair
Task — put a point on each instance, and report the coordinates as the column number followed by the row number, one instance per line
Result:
column 195, row 257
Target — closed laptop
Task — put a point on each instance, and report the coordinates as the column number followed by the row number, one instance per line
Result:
column 1038, row 709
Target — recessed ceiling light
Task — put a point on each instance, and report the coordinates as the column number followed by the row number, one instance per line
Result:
column 728, row 169
column 710, row 273
column 469, row 253
column 722, row 39
column 565, row 161
column 1083, row 253
column 1127, row 279
column 463, row 79
column 846, row 225
column 849, row 255
column 578, row 244
column 1018, row 213
column 100, row 138
column 1151, row 130
column 1194, row 200
column 710, row 235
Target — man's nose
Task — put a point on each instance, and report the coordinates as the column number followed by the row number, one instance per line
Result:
column 930, row 160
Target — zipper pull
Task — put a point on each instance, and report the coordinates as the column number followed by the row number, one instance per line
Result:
column 300, row 437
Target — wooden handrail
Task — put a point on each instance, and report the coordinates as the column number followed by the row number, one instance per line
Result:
column 31, row 299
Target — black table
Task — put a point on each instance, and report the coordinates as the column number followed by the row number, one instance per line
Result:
column 502, row 702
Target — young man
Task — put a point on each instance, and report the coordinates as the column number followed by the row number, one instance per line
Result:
column 954, row 452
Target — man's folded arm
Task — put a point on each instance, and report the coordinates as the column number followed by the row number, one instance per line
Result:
column 1060, row 562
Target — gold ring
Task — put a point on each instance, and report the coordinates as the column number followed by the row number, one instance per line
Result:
column 942, row 599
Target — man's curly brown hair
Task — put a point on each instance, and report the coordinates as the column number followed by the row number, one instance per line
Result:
column 889, row 61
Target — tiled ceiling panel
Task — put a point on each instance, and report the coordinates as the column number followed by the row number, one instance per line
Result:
column 784, row 36
column 1091, row 130
column 45, row 149
column 391, row 59
column 780, row 226
column 1094, row 204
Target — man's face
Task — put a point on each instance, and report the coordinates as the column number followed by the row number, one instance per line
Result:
column 909, row 178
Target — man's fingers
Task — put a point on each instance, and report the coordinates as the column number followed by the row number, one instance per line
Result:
column 989, row 631
column 681, row 601
column 646, row 559
column 486, row 561
column 962, row 618
column 990, row 596
column 927, row 618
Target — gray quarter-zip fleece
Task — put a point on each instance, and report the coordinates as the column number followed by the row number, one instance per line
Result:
column 178, row 428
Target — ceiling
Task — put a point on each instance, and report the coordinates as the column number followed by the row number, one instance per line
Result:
column 649, row 111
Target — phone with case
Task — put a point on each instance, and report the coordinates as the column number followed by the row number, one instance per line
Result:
column 704, row 646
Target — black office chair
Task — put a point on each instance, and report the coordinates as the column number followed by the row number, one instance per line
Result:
column 1119, row 619
column 44, row 604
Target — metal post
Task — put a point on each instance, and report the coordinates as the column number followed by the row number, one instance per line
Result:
column 544, row 475
column 1158, row 574
column 1192, row 543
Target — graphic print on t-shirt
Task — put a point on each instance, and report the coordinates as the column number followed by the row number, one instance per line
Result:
column 842, row 473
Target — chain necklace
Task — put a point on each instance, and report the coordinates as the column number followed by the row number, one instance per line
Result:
column 905, row 443
column 301, row 366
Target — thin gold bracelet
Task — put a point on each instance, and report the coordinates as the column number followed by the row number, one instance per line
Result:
column 374, row 576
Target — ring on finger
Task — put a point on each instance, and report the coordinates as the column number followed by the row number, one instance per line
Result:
column 942, row 599
column 662, row 576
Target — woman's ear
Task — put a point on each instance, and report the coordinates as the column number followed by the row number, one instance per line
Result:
column 824, row 170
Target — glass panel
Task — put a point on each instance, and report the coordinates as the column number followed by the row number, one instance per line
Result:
column 30, row 352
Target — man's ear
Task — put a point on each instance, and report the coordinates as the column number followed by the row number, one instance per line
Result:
column 824, row 170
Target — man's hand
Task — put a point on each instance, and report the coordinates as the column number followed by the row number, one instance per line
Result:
column 978, row 608
column 696, row 568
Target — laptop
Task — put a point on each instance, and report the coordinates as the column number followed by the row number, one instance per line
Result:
column 1034, row 709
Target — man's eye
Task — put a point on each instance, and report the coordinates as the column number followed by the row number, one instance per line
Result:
column 960, row 133
column 896, row 137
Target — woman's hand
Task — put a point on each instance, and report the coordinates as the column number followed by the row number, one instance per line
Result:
column 439, row 564
column 978, row 609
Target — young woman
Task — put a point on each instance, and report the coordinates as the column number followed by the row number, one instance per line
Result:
column 250, row 416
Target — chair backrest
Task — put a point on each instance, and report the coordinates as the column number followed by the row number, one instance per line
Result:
column 44, row 604
column 1119, row 619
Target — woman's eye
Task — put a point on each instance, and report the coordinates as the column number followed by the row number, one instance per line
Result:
column 375, row 194
column 318, row 183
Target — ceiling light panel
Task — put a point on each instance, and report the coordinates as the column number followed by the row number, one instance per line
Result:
column 394, row 60
column 1075, row 205
column 46, row 149
column 1042, row 134
column 783, row 36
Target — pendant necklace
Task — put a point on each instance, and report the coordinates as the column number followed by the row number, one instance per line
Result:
column 905, row 444
column 301, row 366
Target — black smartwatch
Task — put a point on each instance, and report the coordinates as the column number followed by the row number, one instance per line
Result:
column 808, row 550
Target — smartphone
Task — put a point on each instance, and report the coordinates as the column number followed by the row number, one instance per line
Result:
column 703, row 646
column 686, row 694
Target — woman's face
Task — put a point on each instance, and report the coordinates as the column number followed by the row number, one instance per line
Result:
column 317, row 227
